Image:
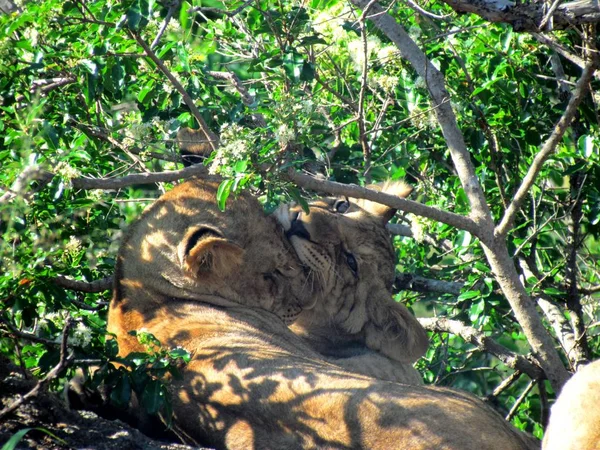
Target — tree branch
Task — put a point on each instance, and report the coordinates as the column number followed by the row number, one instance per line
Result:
column 559, row 323
column 139, row 178
column 214, row 139
column 547, row 149
column 331, row 187
column 519, row 400
column 90, row 287
column 63, row 362
column 495, row 248
column 483, row 343
column 23, row 335
column 407, row 281
column 530, row 16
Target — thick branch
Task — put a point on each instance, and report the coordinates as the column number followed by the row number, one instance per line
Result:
column 440, row 97
column 483, row 343
column 530, row 16
column 547, row 149
column 407, row 281
column 140, row 178
column 348, row 190
column 525, row 312
column 83, row 286
column 559, row 323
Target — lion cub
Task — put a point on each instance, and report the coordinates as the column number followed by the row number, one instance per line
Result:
column 355, row 322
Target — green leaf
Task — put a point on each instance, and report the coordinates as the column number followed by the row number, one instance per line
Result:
column 12, row 443
column 183, row 15
column 476, row 310
column 120, row 394
column 308, row 71
column 223, row 193
column 134, row 16
column 295, row 194
column 240, row 166
column 468, row 295
column 153, row 396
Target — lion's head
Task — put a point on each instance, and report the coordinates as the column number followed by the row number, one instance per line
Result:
column 346, row 245
column 184, row 249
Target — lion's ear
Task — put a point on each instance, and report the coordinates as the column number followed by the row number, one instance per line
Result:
column 395, row 188
column 392, row 330
column 205, row 252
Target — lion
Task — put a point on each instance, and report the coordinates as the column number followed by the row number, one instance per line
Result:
column 184, row 251
column 225, row 285
column 356, row 323
column 575, row 418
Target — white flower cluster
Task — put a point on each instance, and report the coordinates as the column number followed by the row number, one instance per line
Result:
column 421, row 118
column 418, row 225
column 66, row 172
column 284, row 135
column 137, row 132
column 356, row 49
column 388, row 54
column 387, row 83
column 233, row 147
column 81, row 336
column 73, row 247
column 95, row 195
column 330, row 23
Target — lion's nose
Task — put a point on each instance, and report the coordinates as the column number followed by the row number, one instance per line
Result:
column 297, row 228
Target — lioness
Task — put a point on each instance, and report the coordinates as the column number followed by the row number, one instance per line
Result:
column 575, row 417
column 203, row 279
column 347, row 246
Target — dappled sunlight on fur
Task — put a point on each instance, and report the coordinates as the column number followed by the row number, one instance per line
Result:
column 356, row 323
column 251, row 382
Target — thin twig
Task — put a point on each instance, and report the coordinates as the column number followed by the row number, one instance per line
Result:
column 506, row 383
column 214, row 140
column 362, row 131
column 164, row 25
column 484, row 343
column 23, row 335
column 64, row 361
column 519, row 400
column 548, row 18
column 426, row 13
column 547, row 149
column 233, row 13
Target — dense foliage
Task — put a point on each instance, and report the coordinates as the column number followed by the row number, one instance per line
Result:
column 317, row 88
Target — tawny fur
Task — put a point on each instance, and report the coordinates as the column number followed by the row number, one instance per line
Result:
column 252, row 383
column 575, row 417
column 355, row 323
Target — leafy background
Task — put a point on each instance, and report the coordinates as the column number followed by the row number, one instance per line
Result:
column 79, row 98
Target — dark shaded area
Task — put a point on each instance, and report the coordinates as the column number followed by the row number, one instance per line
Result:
column 79, row 429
